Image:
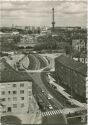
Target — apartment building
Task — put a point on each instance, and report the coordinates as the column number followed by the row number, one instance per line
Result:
column 72, row 75
column 16, row 96
column 78, row 44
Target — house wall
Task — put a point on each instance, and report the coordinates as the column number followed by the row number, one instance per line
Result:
column 16, row 96
column 71, row 79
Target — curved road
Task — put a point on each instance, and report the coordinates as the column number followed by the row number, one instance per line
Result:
column 37, row 79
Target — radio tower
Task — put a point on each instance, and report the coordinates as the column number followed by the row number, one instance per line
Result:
column 53, row 22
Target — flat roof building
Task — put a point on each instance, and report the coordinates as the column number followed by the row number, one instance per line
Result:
column 72, row 75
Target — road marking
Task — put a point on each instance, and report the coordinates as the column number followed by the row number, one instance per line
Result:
column 49, row 113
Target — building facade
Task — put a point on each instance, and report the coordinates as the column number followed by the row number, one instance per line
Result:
column 72, row 75
column 78, row 44
column 82, row 58
column 16, row 96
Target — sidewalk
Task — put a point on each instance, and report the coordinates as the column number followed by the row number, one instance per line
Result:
column 71, row 110
column 31, row 118
column 66, row 95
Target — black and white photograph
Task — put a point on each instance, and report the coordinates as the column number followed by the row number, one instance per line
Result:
column 43, row 62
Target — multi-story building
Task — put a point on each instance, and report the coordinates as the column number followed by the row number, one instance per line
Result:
column 82, row 58
column 72, row 75
column 78, row 44
column 16, row 96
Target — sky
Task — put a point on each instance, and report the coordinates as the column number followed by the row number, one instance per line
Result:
column 39, row 13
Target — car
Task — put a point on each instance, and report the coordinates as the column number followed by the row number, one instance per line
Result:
column 42, row 91
column 50, row 96
column 50, row 107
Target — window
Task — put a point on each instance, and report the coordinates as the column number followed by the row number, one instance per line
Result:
column 14, row 92
column 22, row 98
column 9, row 92
column 14, row 98
column 21, row 84
column 9, row 109
column 14, row 105
column 22, row 105
column 14, row 85
column 30, row 93
column 21, row 91
column 3, row 92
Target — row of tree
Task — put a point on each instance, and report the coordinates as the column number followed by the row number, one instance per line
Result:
column 9, row 43
column 21, row 31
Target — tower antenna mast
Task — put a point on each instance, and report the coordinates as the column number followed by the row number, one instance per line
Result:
column 53, row 22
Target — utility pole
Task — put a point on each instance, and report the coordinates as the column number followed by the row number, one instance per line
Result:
column 53, row 22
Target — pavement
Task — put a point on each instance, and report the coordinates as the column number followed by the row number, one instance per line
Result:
column 66, row 95
column 32, row 118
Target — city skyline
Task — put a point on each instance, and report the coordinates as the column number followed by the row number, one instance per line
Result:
column 39, row 13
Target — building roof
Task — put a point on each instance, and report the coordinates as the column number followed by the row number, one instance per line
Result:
column 8, row 74
column 72, row 64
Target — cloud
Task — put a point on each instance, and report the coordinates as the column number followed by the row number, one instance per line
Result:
column 41, row 12
column 74, row 8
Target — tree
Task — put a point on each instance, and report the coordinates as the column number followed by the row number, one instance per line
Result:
column 16, row 39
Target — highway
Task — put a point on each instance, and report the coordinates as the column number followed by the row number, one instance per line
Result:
column 40, row 90
column 34, row 62
column 37, row 78
column 54, row 92
column 43, row 96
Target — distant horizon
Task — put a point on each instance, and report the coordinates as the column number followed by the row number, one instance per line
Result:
column 39, row 13
column 39, row 26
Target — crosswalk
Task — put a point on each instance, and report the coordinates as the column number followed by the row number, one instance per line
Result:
column 49, row 113
column 64, row 111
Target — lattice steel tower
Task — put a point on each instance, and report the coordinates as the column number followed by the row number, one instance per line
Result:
column 53, row 22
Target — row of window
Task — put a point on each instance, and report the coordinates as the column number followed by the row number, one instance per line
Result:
column 21, row 85
column 15, row 105
column 14, row 92
column 14, row 99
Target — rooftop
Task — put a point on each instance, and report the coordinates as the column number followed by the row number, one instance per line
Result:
column 8, row 74
column 72, row 64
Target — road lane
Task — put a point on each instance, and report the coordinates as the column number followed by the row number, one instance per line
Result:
column 37, row 79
